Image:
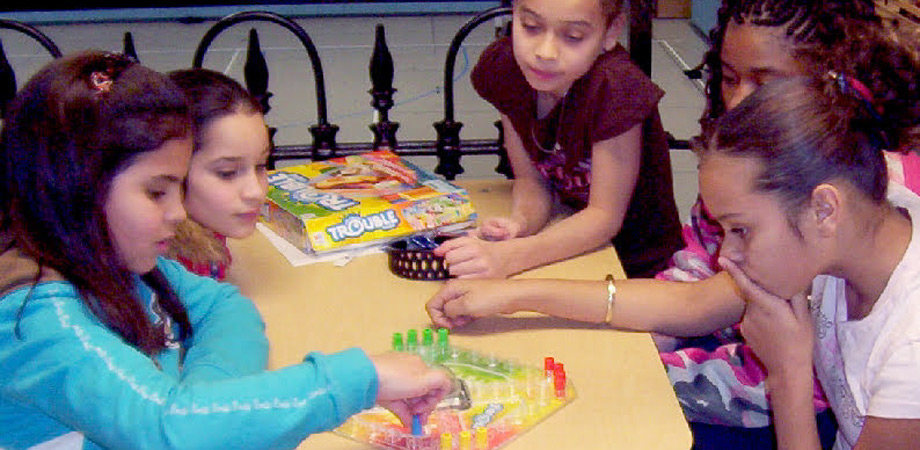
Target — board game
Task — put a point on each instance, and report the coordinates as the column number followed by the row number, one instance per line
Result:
column 493, row 400
column 360, row 200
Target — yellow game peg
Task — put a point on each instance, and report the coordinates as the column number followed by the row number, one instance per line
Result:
column 482, row 438
column 447, row 441
column 466, row 440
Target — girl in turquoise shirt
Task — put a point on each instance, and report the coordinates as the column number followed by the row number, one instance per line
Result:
column 103, row 343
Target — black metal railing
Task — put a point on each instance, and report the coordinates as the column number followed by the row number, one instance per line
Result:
column 448, row 147
column 7, row 74
column 255, row 71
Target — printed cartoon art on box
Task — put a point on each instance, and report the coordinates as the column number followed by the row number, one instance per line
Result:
column 359, row 176
column 361, row 200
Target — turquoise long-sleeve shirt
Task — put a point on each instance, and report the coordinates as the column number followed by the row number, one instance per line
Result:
column 67, row 378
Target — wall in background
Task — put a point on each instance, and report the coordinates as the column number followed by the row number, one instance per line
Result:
column 703, row 15
column 50, row 12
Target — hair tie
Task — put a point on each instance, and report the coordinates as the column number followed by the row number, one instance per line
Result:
column 854, row 87
column 101, row 81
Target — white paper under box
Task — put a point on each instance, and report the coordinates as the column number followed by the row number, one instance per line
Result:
column 361, row 200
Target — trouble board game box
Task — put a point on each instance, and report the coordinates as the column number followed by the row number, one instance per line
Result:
column 360, row 200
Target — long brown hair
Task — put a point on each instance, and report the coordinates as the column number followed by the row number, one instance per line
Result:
column 212, row 95
column 69, row 131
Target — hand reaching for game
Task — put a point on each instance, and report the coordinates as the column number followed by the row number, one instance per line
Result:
column 472, row 257
column 499, row 229
column 780, row 331
column 479, row 254
column 459, row 302
column 407, row 386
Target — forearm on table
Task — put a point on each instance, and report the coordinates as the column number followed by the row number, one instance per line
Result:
column 640, row 304
column 531, row 204
column 568, row 299
column 581, row 232
column 677, row 308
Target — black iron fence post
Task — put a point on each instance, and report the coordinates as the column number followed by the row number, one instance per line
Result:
column 324, row 145
column 448, row 130
column 381, row 72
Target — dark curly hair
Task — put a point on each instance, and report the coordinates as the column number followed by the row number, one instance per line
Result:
column 806, row 22
column 811, row 129
column 885, row 60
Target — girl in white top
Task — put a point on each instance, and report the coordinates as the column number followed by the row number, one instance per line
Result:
column 868, row 366
column 826, row 256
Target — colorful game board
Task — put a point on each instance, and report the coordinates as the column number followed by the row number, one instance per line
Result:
column 493, row 400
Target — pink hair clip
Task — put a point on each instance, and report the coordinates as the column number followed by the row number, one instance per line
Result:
column 852, row 86
column 102, row 82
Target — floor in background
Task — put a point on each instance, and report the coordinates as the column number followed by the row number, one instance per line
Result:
column 418, row 45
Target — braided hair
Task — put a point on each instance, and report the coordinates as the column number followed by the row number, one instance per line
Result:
column 829, row 125
column 884, row 60
column 806, row 22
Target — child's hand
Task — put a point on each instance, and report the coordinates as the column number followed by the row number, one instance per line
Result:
column 472, row 257
column 407, row 386
column 459, row 302
column 499, row 229
column 780, row 331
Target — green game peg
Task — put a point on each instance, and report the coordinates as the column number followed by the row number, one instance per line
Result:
column 442, row 338
column 427, row 337
column 412, row 341
column 397, row 342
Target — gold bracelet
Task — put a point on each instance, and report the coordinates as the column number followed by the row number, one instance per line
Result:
column 611, row 295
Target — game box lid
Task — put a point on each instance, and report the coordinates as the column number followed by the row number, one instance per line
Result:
column 361, row 200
